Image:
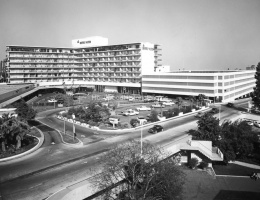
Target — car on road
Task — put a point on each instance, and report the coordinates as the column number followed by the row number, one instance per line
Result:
column 199, row 115
column 214, row 110
column 249, row 122
column 230, row 105
column 143, row 108
column 155, row 129
column 257, row 124
column 157, row 105
column 168, row 103
column 131, row 113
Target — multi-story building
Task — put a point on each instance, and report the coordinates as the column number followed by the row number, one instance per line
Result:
column 111, row 68
column 217, row 85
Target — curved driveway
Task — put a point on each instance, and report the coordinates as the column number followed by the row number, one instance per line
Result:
column 54, row 167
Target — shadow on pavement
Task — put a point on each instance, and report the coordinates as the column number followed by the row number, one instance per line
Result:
column 237, row 195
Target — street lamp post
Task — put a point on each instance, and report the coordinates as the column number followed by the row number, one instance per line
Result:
column 74, row 133
column 141, row 139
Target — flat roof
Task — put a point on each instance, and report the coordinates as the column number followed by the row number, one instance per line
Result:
column 11, row 87
column 76, row 47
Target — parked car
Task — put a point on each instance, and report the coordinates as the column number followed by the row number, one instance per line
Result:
column 155, row 129
column 114, row 120
column 230, row 105
column 131, row 99
column 249, row 122
column 70, row 120
column 143, row 108
column 168, row 103
column 257, row 124
column 142, row 120
column 158, row 105
column 199, row 115
column 130, row 113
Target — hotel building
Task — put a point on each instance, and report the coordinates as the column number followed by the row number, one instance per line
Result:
column 132, row 68
column 91, row 62
column 222, row 85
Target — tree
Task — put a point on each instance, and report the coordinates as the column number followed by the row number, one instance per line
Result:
column 256, row 93
column 208, row 129
column 24, row 111
column 12, row 131
column 154, row 116
column 192, row 100
column 179, row 102
column 201, row 99
column 145, row 176
column 134, row 122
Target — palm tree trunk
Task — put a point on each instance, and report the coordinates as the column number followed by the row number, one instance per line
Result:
column 18, row 144
column 3, row 146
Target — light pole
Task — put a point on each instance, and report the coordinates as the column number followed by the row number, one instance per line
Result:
column 219, row 112
column 74, row 133
column 141, row 139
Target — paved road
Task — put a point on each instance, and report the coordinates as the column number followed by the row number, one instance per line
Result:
column 54, row 167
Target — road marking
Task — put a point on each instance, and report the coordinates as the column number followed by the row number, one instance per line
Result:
column 85, row 162
column 35, row 186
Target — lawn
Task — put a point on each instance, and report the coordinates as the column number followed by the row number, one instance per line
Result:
column 234, row 169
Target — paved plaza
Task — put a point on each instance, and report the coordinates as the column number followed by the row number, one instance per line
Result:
column 200, row 185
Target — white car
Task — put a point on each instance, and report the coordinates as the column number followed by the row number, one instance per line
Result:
column 257, row 124
column 158, row 106
column 143, row 108
column 70, row 120
column 130, row 113
column 168, row 103
column 142, row 120
column 131, row 99
column 77, row 122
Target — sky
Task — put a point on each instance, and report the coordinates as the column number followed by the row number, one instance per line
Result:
column 193, row 34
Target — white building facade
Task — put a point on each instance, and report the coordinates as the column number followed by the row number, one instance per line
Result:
column 107, row 68
column 224, row 86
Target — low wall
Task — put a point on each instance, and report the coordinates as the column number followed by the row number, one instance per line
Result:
column 120, row 131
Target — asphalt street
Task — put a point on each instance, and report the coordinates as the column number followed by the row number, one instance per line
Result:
column 56, row 166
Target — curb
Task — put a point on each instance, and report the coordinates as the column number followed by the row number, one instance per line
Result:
column 120, row 131
column 36, row 147
column 80, row 143
column 232, row 176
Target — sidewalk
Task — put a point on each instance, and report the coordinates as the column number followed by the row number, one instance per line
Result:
column 246, row 164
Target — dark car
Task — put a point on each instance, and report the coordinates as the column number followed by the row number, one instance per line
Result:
column 214, row 110
column 155, row 129
column 230, row 105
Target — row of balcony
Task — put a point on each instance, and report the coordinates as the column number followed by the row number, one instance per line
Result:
column 73, row 61
column 73, row 51
column 78, row 77
column 77, row 71
column 67, row 75
column 88, row 55
column 72, row 66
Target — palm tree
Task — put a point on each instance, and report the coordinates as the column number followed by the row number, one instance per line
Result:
column 192, row 100
column 201, row 98
column 179, row 102
column 11, row 129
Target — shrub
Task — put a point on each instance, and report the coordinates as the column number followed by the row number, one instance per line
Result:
column 193, row 162
column 203, row 165
column 134, row 122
